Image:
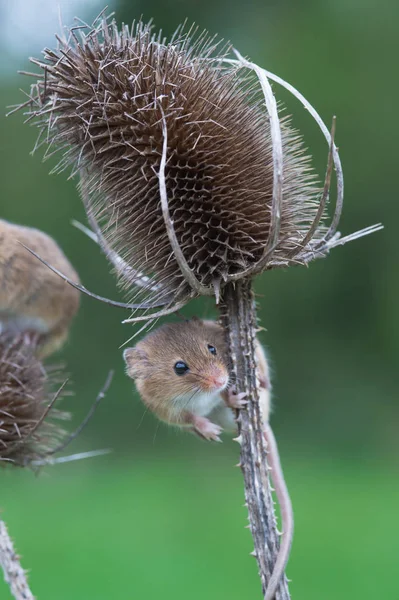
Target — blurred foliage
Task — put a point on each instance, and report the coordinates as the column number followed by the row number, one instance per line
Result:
column 175, row 529
column 152, row 523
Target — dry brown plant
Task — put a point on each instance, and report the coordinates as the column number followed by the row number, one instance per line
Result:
column 192, row 184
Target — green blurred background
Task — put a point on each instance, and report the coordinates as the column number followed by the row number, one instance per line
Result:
column 162, row 515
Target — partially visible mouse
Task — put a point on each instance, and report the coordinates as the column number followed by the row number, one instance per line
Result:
column 182, row 374
column 33, row 299
column 181, row 371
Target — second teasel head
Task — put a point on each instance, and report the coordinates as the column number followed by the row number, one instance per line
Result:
column 28, row 428
column 188, row 181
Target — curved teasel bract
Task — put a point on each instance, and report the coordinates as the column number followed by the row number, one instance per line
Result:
column 189, row 176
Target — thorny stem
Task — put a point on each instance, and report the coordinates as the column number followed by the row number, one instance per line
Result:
column 14, row 574
column 238, row 317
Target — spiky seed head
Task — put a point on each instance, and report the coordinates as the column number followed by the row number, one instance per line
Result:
column 25, row 394
column 119, row 102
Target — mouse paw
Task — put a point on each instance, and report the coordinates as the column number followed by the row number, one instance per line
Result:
column 206, row 429
column 235, row 400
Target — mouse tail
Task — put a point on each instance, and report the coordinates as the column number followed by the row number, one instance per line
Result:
column 287, row 515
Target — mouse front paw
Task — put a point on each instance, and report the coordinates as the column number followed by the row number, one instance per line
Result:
column 206, row 429
column 237, row 401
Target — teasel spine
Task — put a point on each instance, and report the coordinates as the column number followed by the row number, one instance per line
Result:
column 27, row 402
column 29, row 435
column 232, row 287
column 60, row 65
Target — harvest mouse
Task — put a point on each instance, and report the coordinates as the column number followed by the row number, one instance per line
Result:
column 33, row 299
column 181, row 371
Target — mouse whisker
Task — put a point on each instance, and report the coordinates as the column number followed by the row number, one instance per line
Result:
column 203, row 377
column 180, row 397
column 199, row 375
column 187, row 402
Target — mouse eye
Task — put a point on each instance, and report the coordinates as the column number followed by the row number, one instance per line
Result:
column 212, row 349
column 180, row 368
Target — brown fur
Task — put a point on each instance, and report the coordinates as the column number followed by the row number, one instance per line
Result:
column 32, row 297
column 151, row 364
column 152, row 360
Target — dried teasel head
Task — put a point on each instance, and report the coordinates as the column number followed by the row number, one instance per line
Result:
column 28, row 432
column 189, row 176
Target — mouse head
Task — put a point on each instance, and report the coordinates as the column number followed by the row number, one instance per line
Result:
column 178, row 359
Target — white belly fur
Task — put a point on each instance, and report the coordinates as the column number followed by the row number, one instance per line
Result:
column 201, row 404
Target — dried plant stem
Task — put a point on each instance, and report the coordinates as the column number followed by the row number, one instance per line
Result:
column 14, row 574
column 238, row 316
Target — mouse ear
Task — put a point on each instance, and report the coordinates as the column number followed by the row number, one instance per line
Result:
column 136, row 362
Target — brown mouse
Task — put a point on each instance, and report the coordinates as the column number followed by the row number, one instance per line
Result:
column 33, row 299
column 181, row 371
column 182, row 375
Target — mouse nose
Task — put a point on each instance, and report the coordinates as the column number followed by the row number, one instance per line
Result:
column 217, row 379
